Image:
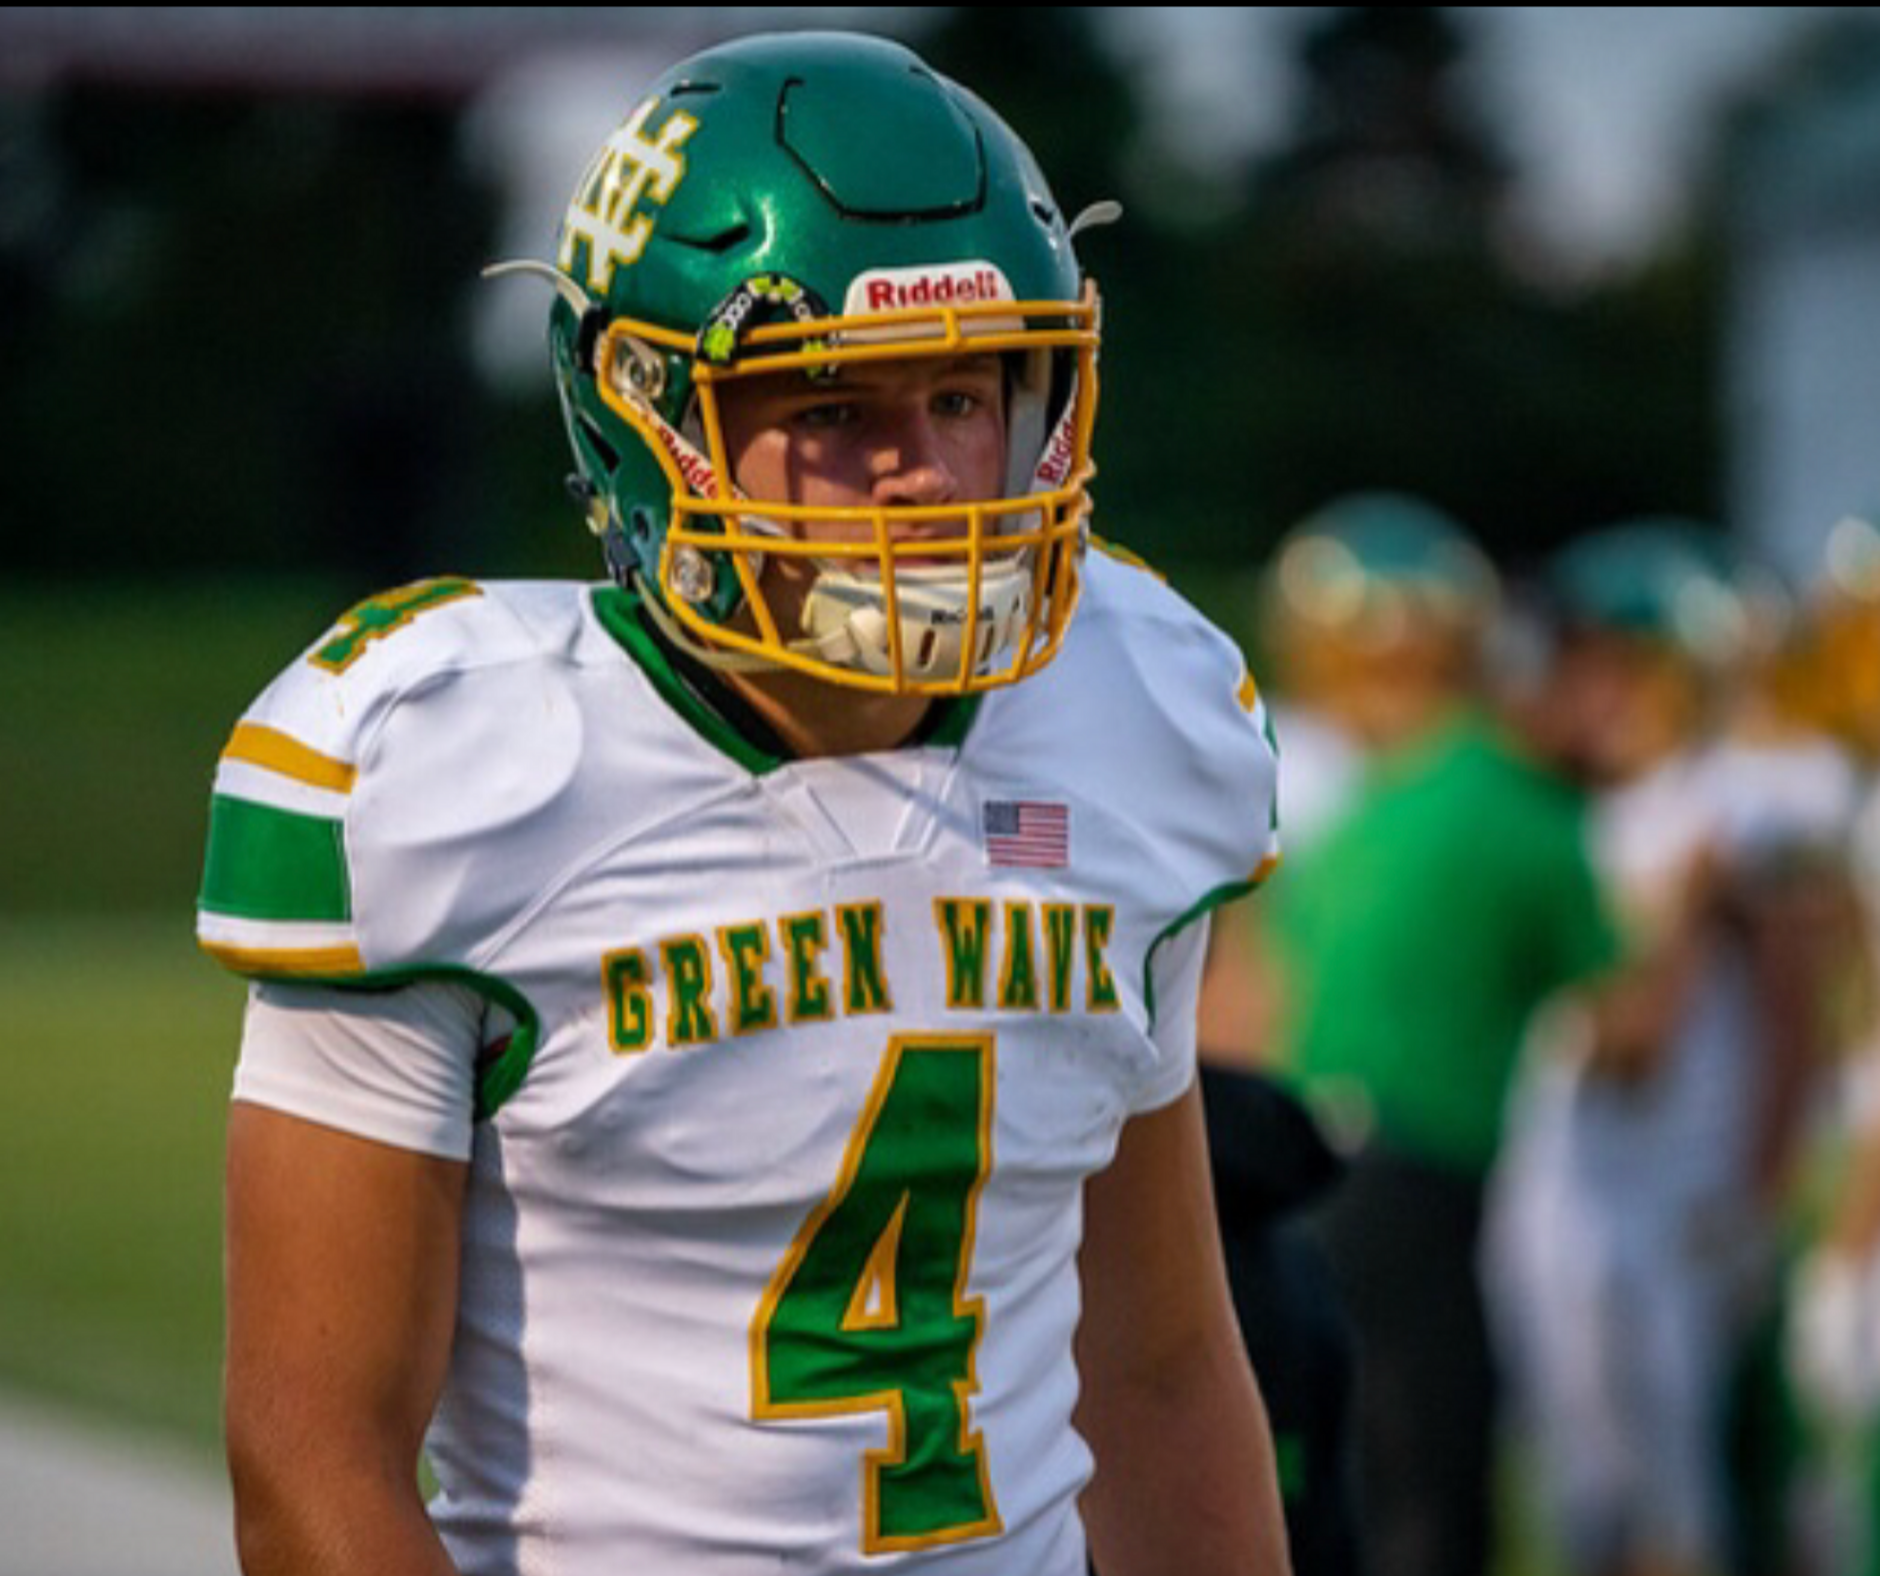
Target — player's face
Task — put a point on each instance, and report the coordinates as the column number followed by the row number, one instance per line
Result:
column 922, row 431
column 1621, row 704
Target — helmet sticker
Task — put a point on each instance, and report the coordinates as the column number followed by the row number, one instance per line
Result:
column 605, row 216
column 1060, row 451
column 696, row 470
column 941, row 284
column 761, row 299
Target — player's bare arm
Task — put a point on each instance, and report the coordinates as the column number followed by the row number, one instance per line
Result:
column 1185, row 1472
column 342, row 1291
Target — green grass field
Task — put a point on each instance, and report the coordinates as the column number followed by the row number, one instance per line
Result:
column 117, row 1037
column 119, row 1044
column 116, row 703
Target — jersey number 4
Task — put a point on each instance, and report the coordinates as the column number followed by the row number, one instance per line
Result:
column 868, row 1310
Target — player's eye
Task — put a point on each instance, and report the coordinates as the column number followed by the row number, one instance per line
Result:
column 827, row 415
column 955, row 403
column 974, row 386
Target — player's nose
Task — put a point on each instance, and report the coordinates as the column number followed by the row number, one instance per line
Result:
column 910, row 463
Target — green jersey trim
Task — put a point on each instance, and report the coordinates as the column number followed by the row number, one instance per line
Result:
column 269, row 864
column 616, row 610
column 502, row 1075
column 1272, row 743
column 1218, row 898
column 955, row 722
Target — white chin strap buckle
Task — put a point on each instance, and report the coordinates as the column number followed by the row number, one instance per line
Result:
column 845, row 617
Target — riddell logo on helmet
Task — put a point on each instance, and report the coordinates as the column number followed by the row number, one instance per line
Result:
column 953, row 284
column 693, row 466
column 1059, row 452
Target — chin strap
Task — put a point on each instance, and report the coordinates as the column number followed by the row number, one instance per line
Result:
column 714, row 657
column 846, row 615
column 566, row 288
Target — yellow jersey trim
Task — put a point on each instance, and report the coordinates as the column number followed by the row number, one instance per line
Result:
column 306, row 962
column 256, row 744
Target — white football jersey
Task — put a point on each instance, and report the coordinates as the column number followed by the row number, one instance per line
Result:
column 771, row 1232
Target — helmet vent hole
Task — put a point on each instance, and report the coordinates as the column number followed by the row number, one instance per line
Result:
column 609, row 455
column 716, row 243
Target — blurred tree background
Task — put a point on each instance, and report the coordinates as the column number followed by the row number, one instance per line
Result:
column 236, row 333
column 236, row 327
column 1358, row 312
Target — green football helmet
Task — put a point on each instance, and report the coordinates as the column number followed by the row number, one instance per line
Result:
column 794, row 204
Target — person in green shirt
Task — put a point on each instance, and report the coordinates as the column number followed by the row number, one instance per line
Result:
column 1405, row 950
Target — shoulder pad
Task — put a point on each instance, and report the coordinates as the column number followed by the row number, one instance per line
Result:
column 1181, row 735
column 304, row 809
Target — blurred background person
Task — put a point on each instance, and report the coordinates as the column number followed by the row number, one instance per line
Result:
column 1272, row 1160
column 1313, row 647
column 1652, row 1137
column 1786, row 780
column 1831, row 1331
column 1402, row 952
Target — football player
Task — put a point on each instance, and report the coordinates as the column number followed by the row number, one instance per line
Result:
column 721, row 1055
column 1654, row 1127
column 1400, row 602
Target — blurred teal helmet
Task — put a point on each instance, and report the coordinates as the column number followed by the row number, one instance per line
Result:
column 1664, row 578
column 1385, row 556
column 791, row 205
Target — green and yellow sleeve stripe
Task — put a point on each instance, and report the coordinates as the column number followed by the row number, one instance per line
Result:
column 276, row 890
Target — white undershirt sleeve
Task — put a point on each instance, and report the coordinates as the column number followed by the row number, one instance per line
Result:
column 398, row 1066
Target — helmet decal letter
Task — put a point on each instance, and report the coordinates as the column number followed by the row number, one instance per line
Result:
column 630, row 169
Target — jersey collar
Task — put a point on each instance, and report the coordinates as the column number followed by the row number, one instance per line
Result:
column 718, row 713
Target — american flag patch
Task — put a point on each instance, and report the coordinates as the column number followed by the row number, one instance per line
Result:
column 1026, row 833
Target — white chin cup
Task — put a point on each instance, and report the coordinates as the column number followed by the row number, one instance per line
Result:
column 845, row 617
